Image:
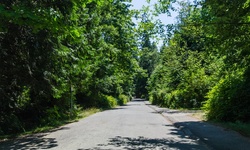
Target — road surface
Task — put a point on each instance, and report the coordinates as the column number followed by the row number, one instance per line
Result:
column 134, row 126
column 137, row 125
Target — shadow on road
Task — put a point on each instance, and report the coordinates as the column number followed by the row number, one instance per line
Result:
column 138, row 100
column 32, row 142
column 117, row 108
column 142, row 143
column 29, row 143
column 214, row 136
column 147, row 143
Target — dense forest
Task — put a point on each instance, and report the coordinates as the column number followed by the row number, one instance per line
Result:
column 59, row 55
column 205, row 63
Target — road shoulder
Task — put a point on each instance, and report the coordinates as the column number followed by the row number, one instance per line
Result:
column 214, row 136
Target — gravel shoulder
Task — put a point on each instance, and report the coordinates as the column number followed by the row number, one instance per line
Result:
column 215, row 137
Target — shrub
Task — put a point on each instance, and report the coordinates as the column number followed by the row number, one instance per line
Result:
column 229, row 99
column 10, row 124
column 106, row 102
column 122, row 99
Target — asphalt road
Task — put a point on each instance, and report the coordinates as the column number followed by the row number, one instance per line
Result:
column 134, row 126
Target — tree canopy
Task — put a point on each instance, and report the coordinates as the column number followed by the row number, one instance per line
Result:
column 57, row 56
column 206, row 61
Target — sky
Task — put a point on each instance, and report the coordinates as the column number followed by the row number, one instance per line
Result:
column 165, row 19
column 137, row 4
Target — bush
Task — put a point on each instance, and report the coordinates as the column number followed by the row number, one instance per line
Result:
column 55, row 115
column 10, row 124
column 229, row 99
column 156, row 97
column 173, row 99
column 106, row 102
column 122, row 99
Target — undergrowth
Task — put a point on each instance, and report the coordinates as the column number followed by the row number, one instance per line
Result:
column 240, row 127
column 82, row 113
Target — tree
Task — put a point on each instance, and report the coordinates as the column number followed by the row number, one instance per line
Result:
column 148, row 53
column 181, row 79
column 54, row 54
column 227, row 100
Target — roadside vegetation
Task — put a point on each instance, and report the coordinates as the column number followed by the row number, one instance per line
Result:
column 240, row 127
column 61, row 58
column 58, row 57
column 50, row 126
column 204, row 63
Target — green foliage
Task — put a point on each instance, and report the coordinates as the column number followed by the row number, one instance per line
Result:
column 227, row 100
column 55, row 115
column 204, row 63
column 242, row 128
column 23, row 99
column 148, row 54
column 188, row 66
column 107, row 102
column 181, row 79
column 122, row 99
column 10, row 124
column 56, row 54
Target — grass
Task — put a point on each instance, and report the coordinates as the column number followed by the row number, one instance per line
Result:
column 55, row 123
column 82, row 114
column 87, row 112
column 199, row 115
column 240, row 127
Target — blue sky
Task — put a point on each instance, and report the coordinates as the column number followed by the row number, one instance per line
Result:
column 137, row 4
column 165, row 19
